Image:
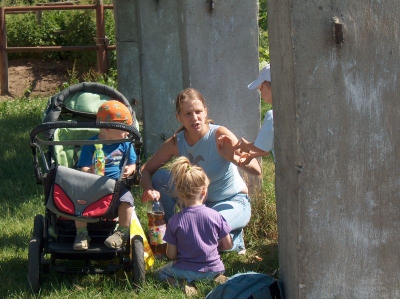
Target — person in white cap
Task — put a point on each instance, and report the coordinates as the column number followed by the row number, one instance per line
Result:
column 264, row 143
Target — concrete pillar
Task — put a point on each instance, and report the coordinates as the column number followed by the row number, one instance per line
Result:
column 220, row 58
column 336, row 114
column 128, row 63
column 161, row 69
column 179, row 44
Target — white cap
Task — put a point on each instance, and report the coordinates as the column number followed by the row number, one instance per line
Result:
column 264, row 75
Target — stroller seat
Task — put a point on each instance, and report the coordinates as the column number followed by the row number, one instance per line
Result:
column 68, row 155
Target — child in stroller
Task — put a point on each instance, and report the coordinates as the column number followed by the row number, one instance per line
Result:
column 69, row 130
column 110, row 111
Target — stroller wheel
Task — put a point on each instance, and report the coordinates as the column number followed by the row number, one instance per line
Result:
column 35, row 249
column 38, row 226
column 138, row 265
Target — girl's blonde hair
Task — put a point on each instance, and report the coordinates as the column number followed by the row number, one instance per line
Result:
column 187, row 95
column 188, row 179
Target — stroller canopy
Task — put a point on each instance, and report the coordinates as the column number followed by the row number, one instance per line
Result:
column 81, row 101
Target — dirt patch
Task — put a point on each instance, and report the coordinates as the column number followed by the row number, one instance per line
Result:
column 36, row 78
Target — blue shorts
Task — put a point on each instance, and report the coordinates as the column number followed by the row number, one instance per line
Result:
column 125, row 195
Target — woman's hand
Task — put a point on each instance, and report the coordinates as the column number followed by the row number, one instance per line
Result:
column 243, row 145
column 226, row 147
column 150, row 194
column 245, row 158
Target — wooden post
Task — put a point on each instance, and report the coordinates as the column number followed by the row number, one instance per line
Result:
column 101, row 35
column 3, row 54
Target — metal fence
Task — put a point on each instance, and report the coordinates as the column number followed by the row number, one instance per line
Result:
column 101, row 46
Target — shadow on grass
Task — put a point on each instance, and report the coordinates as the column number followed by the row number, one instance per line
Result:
column 14, row 278
column 17, row 179
column 17, row 241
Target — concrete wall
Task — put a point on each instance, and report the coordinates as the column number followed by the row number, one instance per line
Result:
column 336, row 113
column 177, row 44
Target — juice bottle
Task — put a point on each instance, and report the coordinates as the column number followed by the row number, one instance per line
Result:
column 157, row 227
column 99, row 161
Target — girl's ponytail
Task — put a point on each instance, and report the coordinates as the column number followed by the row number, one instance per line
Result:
column 187, row 180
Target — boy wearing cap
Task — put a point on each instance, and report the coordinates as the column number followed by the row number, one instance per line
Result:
column 264, row 142
column 110, row 111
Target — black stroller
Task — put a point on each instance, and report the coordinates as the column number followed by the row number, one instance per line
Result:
column 68, row 122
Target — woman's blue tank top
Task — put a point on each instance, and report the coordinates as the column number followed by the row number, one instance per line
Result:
column 225, row 180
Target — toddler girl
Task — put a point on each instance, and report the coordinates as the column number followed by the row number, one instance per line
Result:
column 196, row 234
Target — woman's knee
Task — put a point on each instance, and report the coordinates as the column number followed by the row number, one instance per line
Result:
column 161, row 179
column 237, row 217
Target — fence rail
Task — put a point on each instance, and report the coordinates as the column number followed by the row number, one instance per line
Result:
column 101, row 46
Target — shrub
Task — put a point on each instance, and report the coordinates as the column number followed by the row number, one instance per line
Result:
column 57, row 28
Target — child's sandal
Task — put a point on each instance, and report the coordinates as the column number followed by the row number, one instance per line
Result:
column 220, row 279
column 189, row 289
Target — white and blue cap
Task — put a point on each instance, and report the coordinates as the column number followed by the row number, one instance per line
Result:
column 264, row 75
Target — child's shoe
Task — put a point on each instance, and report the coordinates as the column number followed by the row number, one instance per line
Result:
column 189, row 289
column 81, row 241
column 117, row 240
column 242, row 252
column 220, row 278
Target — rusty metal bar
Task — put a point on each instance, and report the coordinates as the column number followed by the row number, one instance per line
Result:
column 52, row 7
column 56, row 48
column 101, row 38
column 3, row 53
column 58, row 3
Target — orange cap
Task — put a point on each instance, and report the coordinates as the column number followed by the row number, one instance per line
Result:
column 114, row 111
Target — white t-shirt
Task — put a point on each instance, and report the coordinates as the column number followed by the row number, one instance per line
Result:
column 265, row 138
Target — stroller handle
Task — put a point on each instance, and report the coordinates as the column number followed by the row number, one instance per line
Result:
column 83, row 125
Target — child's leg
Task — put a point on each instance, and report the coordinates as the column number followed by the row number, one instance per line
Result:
column 125, row 207
column 178, row 274
column 165, row 272
column 185, row 279
column 82, row 238
column 80, row 225
column 124, row 215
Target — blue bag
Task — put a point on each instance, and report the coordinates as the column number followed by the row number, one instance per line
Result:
column 249, row 285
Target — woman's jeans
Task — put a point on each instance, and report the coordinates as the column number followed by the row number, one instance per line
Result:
column 236, row 210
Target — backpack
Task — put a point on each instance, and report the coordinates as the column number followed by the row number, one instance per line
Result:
column 249, row 285
column 80, row 195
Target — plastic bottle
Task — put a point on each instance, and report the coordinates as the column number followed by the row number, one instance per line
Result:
column 157, row 227
column 99, row 161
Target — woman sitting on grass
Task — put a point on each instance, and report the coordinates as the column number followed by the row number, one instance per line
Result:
column 196, row 234
column 210, row 147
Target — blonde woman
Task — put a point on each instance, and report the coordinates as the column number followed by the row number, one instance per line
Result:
column 200, row 142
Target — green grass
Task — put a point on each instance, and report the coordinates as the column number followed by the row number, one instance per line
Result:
column 21, row 199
